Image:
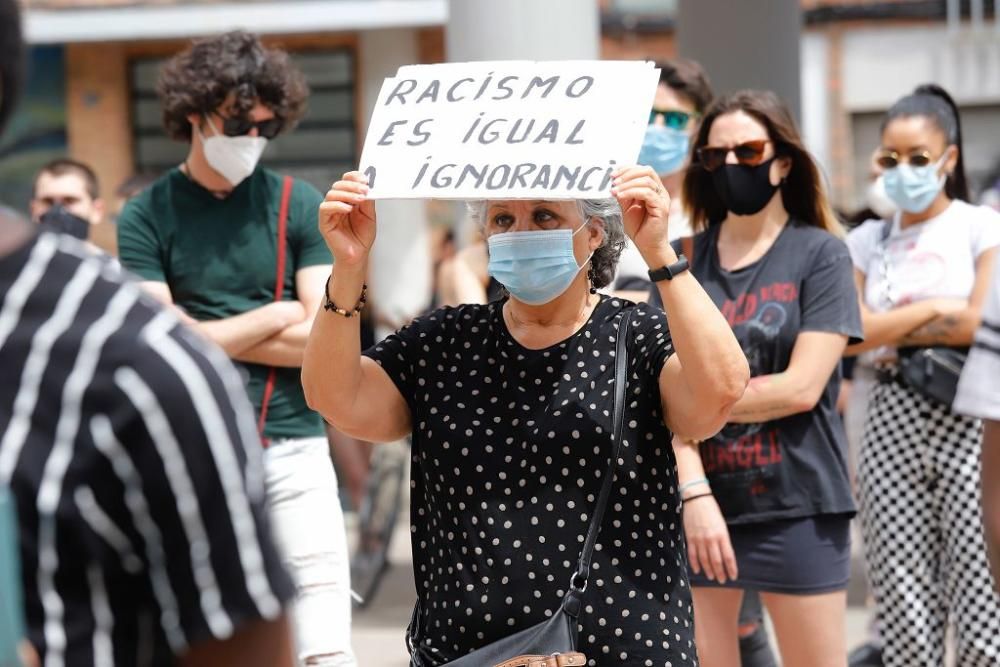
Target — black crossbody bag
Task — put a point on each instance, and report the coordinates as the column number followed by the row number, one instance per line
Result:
column 553, row 643
column 932, row 372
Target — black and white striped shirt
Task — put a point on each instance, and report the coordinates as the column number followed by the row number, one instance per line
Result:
column 130, row 447
column 979, row 388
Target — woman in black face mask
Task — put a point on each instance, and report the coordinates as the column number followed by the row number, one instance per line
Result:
column 767, row 501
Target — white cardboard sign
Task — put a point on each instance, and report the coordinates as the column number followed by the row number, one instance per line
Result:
column 511, row 129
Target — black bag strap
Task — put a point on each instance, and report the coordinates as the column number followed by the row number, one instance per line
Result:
column 578, row 583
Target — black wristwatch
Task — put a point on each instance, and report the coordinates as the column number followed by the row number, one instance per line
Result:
column 668, row 272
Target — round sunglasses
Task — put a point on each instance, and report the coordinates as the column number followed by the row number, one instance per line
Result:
column 888, row 159
column 750, row 153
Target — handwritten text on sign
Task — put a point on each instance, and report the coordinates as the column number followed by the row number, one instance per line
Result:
column 547, row 130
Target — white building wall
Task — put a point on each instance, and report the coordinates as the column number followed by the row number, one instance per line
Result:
column 816, row 121
column 882, row 64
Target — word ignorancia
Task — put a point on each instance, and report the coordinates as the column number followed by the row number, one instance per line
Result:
column 553, row 178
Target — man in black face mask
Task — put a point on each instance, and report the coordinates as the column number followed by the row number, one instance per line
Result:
column 66, row 198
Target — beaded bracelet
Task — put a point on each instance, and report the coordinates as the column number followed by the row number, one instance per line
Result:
column 331, row 306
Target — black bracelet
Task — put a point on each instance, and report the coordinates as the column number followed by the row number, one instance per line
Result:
column 696, row 496
column 330, row 305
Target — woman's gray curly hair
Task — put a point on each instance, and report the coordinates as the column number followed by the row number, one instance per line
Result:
column 605, row 260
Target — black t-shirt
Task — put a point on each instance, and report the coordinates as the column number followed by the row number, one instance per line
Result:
column 510, row 447
column 795, row 466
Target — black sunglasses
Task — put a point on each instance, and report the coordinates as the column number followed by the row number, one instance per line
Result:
column 239, row 126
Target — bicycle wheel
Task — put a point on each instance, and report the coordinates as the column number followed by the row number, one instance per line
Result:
column 377, row 518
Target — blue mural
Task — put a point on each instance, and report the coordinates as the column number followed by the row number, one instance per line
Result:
column 37, row 132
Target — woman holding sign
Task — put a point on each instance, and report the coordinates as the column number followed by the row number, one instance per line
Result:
column 511, row 409
column 767, row 500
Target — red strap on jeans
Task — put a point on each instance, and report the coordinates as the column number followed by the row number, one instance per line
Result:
column 279, row 288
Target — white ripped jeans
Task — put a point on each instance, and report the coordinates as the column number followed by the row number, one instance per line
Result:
column 308, row 526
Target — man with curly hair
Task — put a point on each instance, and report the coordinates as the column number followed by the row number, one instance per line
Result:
column 235, row 248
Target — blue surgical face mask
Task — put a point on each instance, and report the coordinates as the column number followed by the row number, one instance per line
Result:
column 664, row 149
column 535, row 267
column 914, row 189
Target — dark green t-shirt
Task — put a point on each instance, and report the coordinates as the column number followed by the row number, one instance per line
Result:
column 219, row 258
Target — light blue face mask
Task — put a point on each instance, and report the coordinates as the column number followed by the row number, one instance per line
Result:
column 914, row 189
column 664, row 149
column 535, row 267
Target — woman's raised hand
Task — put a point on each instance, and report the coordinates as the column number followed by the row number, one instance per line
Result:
column 645, row 208
column 347, row 220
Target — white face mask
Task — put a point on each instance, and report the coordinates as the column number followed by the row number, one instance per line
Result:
column 878, row 200
column 233, row 157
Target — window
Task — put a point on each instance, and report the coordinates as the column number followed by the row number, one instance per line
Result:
column 321, row 148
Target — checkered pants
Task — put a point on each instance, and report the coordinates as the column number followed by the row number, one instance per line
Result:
column 918, row 480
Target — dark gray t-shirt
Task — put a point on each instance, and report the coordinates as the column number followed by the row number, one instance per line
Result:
column 794, row 466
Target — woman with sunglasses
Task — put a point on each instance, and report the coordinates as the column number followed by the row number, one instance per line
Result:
column 767, row 501
column 923, row 276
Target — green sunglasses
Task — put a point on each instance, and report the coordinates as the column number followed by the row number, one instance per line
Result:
column 672, row 118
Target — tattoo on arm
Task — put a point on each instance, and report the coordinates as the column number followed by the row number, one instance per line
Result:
column 936, row 332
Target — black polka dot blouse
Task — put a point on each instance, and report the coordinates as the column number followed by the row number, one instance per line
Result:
column 510, row 447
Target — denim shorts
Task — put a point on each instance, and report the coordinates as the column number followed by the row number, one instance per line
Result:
column 804, row 556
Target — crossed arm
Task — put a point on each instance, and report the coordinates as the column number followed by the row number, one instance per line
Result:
column 796, row 389
column 274, row 334
column 927, row 322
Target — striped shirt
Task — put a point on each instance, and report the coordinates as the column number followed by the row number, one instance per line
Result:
column 979, row 388
column 130, row 447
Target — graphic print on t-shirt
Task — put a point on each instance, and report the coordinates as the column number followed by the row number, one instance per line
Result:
column 756, row 318
column 914, row 272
